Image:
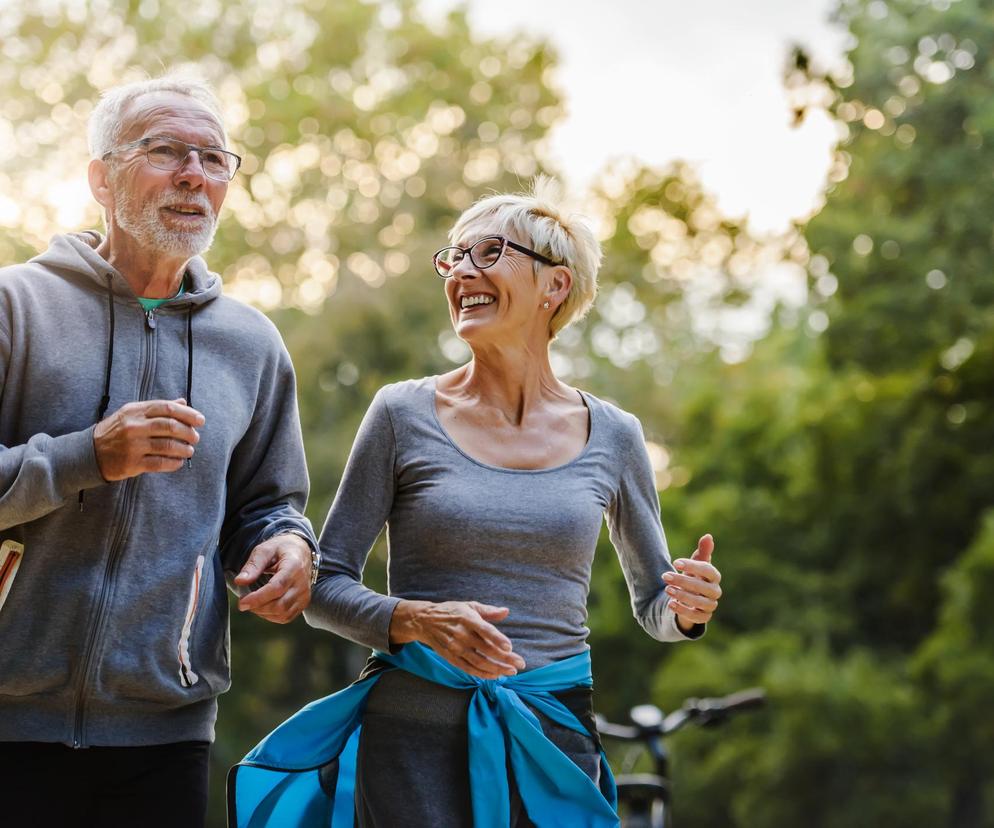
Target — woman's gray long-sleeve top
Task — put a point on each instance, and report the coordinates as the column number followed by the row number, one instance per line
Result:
column 462, row 530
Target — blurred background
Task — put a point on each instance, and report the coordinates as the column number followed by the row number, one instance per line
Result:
column 795, row 201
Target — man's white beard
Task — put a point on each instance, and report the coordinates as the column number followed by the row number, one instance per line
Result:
column 143, row 223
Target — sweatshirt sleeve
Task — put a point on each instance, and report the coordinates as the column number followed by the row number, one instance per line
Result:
column 267, row 480
column 637, row 534
column 340, row 602
column 46, row 472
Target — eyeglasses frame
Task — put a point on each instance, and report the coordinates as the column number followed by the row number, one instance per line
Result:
column 189, row 148
column 505, row 243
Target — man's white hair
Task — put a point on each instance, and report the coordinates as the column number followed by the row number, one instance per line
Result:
column 107, row 123
column 540, row 220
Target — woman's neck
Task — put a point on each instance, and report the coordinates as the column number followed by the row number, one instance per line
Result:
column 514, row 381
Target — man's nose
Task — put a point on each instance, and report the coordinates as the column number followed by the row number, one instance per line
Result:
column 191, row 171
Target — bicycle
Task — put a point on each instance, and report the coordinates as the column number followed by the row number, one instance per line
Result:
column 644, row 798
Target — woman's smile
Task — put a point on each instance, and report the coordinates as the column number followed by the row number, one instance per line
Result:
column 472, row 301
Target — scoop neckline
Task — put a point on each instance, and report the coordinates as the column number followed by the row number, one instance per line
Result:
column 432, row 396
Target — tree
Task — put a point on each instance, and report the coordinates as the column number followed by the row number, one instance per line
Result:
column 364, row 131
column 838, row 450
column 847, row 459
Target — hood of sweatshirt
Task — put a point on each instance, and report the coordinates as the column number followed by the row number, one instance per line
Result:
column 76, row 254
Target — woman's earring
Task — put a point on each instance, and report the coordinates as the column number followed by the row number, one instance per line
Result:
column 546, row 306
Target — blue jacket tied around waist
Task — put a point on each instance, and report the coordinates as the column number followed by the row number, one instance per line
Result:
column 303, row 773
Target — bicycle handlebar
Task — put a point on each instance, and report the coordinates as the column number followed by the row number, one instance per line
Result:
column 742, row 700
column 625, row 733
column 706, row 711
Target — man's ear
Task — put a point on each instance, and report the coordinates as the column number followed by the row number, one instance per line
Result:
column 98, row 174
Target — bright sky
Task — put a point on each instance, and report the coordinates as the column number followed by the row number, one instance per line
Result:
column 700, row 81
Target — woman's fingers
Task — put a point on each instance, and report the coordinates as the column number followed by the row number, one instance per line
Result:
column 695, row 577
column 488, row 611
column 486, row 649
column 698, row 586
column 698, row 569
column 473, row 644
column 466, row 657
column 689, row 599
column 468, row 667
column 496, row 646
column 693, row 588
column 690, row 613
column 483, row 665
column 493, row 643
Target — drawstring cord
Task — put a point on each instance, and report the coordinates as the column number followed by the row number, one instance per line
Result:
column 105, row 399
column 189, row 366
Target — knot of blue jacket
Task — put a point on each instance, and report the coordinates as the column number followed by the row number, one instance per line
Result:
column 504, row 731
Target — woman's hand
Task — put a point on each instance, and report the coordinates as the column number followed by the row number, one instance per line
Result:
column 693, row 589
column 461, row 632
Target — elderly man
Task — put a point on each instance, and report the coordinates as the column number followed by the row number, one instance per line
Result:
column 119, row 531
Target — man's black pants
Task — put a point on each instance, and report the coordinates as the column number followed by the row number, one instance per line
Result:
column 55, row 786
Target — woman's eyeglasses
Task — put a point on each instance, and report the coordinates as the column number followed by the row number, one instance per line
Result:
column 482, row 254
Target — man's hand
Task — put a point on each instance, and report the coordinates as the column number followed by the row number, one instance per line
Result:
column 287, row 558
column 693, row 589
column 149, row 436
column 461, row 632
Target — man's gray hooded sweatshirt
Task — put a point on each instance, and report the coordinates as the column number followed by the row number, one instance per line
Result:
column 113, row 606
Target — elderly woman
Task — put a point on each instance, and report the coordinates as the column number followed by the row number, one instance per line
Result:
column 492, row 480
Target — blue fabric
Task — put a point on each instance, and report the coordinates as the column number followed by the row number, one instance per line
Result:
column 278, row 783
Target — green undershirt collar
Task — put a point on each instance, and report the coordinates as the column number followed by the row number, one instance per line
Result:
column 152, row 304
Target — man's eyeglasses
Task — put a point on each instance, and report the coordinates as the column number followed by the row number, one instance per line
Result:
column 170, row 154
column 483, row 254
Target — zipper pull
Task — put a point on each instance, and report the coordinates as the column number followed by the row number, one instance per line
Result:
column 150, row 318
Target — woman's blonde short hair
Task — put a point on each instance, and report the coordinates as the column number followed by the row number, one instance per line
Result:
column 539, row 219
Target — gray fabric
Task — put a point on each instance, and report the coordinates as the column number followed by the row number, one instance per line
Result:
column 413, row 766
column 459, row 529
column 91, row 627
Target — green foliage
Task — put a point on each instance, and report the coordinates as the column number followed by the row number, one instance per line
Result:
column 955, row 669
column 362, row 129
column 842, row 462
column 845, row 472
column 839, row 745
column 920, row 128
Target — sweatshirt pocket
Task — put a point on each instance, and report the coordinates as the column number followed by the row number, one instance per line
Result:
column 187, row 676
column 161, row 648
column 11, row 553
column 202, row 648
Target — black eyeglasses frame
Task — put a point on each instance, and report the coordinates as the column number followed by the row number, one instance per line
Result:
column 505, row 243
